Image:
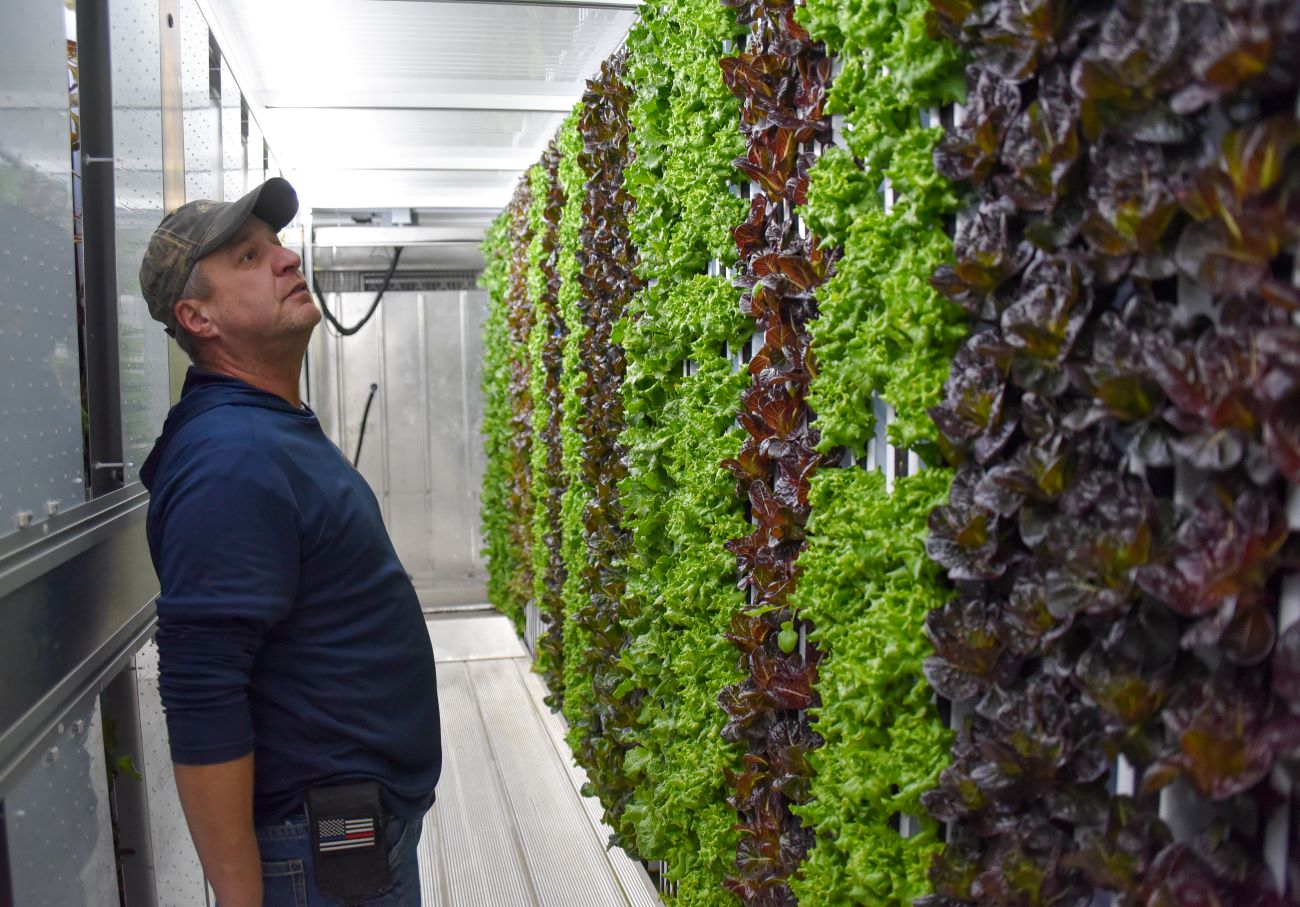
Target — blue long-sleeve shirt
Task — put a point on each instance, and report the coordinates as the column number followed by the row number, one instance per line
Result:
column 287, row 627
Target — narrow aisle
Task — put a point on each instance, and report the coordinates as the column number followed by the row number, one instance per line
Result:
column 510, row 826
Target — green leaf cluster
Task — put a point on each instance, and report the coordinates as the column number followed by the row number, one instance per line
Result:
column 680, row 505
column 496, row 411
column 883, row 330
column 603, row 729
column 867, row 587
column 506, row 447
column 883, row 333
column 579, row 697
column 683, row 509
column 685, row 132
column 545, row 354
column 889, row 70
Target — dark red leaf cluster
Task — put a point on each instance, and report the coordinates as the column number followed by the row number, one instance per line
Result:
column 607, row 261
column 550, row 642
column 781, row 80
column 519, row 325
column 1124, row 423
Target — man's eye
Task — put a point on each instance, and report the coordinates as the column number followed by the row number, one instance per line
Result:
column 249, row 255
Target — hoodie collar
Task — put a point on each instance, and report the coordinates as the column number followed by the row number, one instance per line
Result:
column 205, row 390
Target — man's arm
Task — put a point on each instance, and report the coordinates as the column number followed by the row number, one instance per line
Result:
column 218, row 804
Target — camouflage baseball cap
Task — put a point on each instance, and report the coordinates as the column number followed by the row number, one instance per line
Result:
column 195, row 229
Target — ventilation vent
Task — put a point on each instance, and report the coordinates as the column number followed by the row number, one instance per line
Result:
column 402, row 282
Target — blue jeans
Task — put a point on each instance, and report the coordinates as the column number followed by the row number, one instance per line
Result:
column 287, row 874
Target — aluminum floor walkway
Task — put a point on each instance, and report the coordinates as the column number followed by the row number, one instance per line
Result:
column 510, row 828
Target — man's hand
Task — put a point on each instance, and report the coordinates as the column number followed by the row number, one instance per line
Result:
column 218, row 804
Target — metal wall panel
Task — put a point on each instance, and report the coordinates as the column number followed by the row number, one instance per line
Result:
column 40, row 392
column 474, row 310
column 61, row 630
column 449, row 445
column 364, row 366
column 138, row 176
column 57, row 820
column 409, row 505
column 422, row 453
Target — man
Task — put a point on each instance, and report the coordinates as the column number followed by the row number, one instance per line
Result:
column 296, row 669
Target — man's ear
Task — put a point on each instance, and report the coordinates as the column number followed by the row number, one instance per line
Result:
column 192, row 314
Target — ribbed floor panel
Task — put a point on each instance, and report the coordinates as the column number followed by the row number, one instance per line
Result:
column 510, row 828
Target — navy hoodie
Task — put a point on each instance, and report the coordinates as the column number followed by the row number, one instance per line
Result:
column 287, row 627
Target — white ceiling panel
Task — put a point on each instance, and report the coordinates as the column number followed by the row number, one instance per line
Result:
column 432, row 104
column 439, row 94
column 384, row 139
column 404, row 188
column 357, row 45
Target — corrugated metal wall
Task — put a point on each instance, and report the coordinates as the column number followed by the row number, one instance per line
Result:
column 422, row 452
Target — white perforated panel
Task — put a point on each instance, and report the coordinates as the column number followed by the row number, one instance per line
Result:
column 40, row 390
column 202, row 114
column 138, row 178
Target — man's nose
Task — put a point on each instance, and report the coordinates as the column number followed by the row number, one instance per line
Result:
column 289, row 260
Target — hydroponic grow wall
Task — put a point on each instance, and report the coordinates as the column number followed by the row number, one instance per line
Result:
column 893, row 418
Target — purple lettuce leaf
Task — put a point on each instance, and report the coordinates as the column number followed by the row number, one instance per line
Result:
column 1042, row 146
column 988, row 254
column 1053, row 303
column 974, row 417
column 965, row 538
column 970, row 151
column 1212, row 871
column 1225, row 736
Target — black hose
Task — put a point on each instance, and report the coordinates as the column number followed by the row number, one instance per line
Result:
column 365, row 415
column 329, row 316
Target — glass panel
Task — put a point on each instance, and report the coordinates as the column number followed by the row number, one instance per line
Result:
column 202, row 111
column 58, row 818
column 233, row 165
column 138, row 176
column 40, row 386
column 256, row 171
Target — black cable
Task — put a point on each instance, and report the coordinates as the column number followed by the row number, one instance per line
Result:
column 365, row 415
column 329, row 316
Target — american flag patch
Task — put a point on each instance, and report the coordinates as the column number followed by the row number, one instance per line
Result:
column 346, row 834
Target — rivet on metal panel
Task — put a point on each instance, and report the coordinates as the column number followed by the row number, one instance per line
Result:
column 51, row 508
column 24, row 519
column 78, row 727
column 52, row 755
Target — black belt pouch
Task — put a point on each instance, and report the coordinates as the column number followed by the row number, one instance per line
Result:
column 348, row 840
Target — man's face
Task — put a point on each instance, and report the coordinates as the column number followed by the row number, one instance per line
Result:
column 259, row 299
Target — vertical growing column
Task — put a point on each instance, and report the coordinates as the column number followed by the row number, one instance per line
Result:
column 680, row 396
column 493, row 502
column 883, row 345
column 1118, row 420
column 519, row 325
column 780, row 79
column 602, row 711
column 507, row 423
column 546, row 355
